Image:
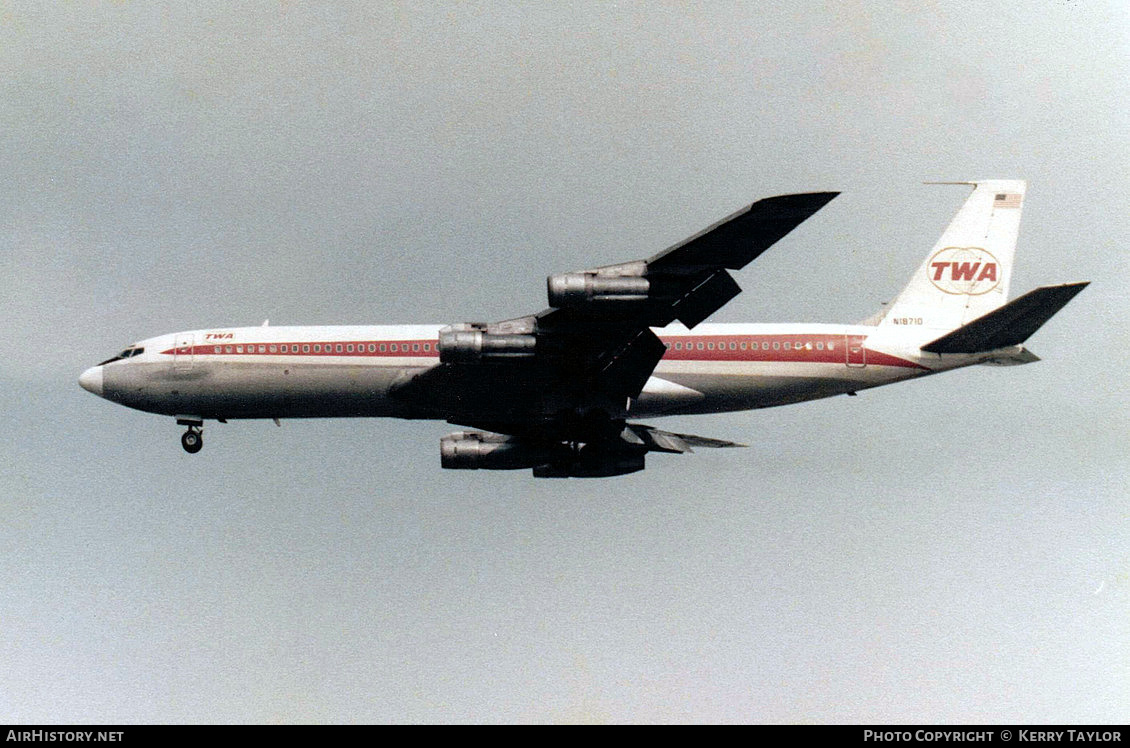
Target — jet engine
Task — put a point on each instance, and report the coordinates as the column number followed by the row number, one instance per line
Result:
column 577, row 289
column 464, row 344
column 593, row 465
column 472, row 450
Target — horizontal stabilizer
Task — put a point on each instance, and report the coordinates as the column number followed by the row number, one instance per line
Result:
column 1008, row 325
column 1014, row 356
column 665, row 441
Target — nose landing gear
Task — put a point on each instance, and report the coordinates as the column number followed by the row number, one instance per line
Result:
column 193, row 439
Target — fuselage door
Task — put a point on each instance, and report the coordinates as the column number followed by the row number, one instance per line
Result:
column 854, row 351
column 183, row 351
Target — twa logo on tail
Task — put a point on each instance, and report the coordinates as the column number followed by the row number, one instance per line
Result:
column 964, row 270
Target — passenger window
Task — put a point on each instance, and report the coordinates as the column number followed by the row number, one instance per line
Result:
column 349, row 348
column 831, row 346
column 318, row 348
column 777, row 346
column 305, row 349
column 416, row 347
column 372, row 347
column 218, row 349
column 339, row 347
column 819, row 346
column 734, row 346
column 382, row 347
column 765, row 345
column 743, row 346
column 709, row 346
column 239, row 349
column 701, row 346
column 788, row 346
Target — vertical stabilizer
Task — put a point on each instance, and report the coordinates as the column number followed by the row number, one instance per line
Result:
column 967, row 272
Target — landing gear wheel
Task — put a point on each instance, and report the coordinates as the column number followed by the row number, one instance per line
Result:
column 192, row 441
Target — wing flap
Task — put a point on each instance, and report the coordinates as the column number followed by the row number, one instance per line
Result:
column 629, row 368
column 705, row 299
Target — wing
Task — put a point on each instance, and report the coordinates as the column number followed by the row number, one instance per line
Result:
column 567, row 373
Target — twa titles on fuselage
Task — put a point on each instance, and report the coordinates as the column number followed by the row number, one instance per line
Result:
column 558, row 391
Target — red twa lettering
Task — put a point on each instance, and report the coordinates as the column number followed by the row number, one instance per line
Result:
column 965, row 271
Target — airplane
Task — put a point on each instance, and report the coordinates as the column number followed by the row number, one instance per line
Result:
column 560, row 391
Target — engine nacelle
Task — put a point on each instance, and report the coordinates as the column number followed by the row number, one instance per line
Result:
column 460, row 345
column 471, row 450
column 603, row 465
column 576, row 289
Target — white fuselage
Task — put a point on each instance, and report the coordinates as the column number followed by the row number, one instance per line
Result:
column 299, row 372
column 554, row 391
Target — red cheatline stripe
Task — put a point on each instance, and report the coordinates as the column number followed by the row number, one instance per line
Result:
column 818, row 349
column 807, row 348
column 397, row 349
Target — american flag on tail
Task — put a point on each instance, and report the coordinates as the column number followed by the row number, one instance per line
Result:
column 1006, row 200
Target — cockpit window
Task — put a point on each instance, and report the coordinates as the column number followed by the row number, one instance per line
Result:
column 127, row 353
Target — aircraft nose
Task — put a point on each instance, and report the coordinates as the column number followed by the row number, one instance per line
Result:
column 91, row 380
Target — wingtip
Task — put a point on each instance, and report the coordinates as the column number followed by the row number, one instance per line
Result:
column 820, row 196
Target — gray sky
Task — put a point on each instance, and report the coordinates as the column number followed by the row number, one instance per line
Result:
column 953, row 549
